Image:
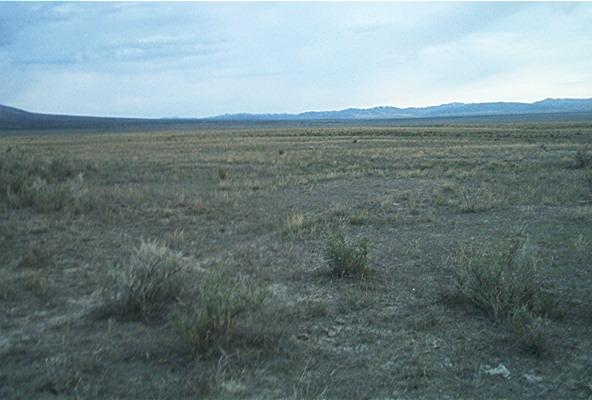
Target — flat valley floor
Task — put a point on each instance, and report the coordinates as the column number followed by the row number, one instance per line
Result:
column 263, row 201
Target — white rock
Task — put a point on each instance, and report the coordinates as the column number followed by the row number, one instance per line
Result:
column 499, row 370
column 531, row 378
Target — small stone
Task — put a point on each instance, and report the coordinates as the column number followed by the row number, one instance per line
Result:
column 499, row 370
column 531, row 378
column 332, row 332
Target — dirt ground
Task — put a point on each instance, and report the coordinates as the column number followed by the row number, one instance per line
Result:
column 228, row 197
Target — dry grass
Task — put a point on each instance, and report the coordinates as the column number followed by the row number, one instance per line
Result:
column 146, row 284
column 227, row 193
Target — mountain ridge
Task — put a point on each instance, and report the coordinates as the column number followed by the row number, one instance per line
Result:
column 12, row 118
column 548, row 105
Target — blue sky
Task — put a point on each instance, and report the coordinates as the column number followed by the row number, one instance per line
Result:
column 201, row 59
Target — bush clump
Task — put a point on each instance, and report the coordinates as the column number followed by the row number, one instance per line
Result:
column 208, row 323
column 501, row 280
column 498, row 280
column 146, row 284
column 583, row 159
column 346, row 259
column 48, row 185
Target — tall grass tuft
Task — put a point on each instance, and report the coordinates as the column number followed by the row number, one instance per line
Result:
column 207, row 324
column 346, row 259
column 146, row 284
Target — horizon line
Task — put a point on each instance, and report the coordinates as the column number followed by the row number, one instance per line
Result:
column 227, row 114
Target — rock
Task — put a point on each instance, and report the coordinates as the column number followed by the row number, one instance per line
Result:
column 334, row 331
column 499, row 370
column 531, row 378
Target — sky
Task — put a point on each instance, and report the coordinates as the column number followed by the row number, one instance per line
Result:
column 203, row 59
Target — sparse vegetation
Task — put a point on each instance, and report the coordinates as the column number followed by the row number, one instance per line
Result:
column 14, row 283
column 52, row 185
column 146, row 284
column 244, row 306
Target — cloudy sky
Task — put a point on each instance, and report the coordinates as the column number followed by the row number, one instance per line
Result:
column 201, row 59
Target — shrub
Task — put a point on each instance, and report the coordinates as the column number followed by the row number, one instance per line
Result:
column 37, row 257
column 32, row 281
column 146, row 285
column 501, row 280
column 26, row 181
column 223, row 174
column 582, row 159
column 588, row 177
column 498, row 280
column 346, row 259
column 208, row 323
column 358, row 217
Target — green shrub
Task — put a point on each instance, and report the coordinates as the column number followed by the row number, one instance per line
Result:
column 346, row 259
column 146, row 284
column 208, row 323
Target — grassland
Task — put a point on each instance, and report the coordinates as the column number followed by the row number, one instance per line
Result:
column 237, row 223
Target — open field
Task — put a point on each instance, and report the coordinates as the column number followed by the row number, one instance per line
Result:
column 263, row 205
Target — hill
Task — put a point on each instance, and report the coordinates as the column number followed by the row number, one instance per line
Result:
column 443, row 110
column 14, row 119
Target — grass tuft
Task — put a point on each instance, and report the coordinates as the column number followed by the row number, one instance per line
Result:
column 207, row 325
column 346, row 259
column 146, row 284
column 529, row 330
column 295, row 221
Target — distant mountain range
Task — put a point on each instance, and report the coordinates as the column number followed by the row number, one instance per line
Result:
column 16, row 119
column 443, row 110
